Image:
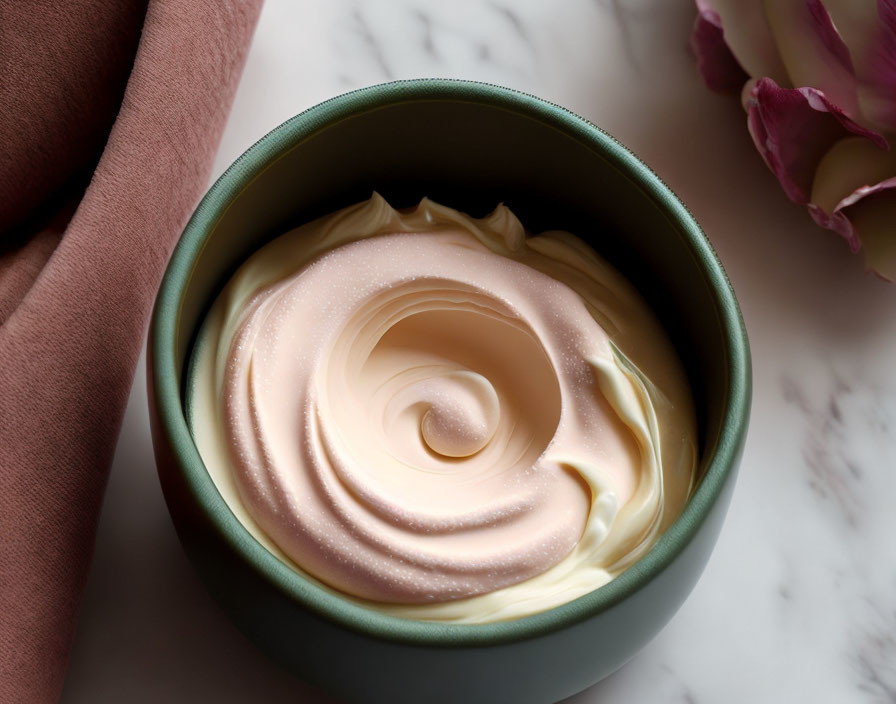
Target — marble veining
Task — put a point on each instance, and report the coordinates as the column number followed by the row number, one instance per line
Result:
column 798, row 602
column 848, row 456
column 833, row 475
column 842, row 420
column 372, row 44
column 874, row 658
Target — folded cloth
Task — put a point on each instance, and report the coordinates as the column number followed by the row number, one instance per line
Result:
column 79, row 269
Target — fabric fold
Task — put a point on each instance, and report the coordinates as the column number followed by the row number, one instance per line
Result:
column 70, row 346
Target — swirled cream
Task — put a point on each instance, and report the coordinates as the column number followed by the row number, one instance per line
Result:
column 439, row 416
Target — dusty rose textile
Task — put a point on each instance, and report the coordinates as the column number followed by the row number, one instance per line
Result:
column 75, row 294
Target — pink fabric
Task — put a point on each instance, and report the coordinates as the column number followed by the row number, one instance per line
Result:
column 64, row 66
column 75, row 298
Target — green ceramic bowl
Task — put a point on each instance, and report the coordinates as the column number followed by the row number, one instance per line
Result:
column 467, row 145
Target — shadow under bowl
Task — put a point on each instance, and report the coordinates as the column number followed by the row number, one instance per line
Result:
column 470, row 146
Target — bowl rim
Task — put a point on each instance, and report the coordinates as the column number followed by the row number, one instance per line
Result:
column 171, row 416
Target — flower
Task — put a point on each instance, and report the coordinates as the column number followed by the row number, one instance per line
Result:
column 818, row 83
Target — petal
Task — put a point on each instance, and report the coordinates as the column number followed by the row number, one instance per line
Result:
column 793, row 128
column 854, row 194
column 749, row 36
column 855, row 22
column 878, row 90
column 874, row 219
column 716, row 63
column 850, row 164
column 812, row 50
column 869, row 30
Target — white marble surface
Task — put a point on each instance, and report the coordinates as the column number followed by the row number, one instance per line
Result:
column 799, row 600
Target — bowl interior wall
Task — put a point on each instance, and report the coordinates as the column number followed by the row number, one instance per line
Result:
column 472, row 156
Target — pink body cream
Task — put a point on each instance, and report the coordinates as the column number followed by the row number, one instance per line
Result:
column 440, row 417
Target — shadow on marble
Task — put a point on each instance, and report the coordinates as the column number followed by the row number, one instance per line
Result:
column 149, row 631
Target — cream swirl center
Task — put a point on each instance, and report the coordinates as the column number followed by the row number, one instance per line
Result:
column 428, row 416
column 462, row 412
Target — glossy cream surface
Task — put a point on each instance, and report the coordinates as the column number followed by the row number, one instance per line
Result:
column 440, row 417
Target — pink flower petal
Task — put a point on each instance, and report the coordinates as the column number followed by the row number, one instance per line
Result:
column 748, row 35
column 838, row 222
column 866, row 219
column 793, row 128
column 869, row 30
column 854, row 194
column 855, row 22
column 886, row 10
column 813, row 51
column 716, row 63
column 854, row 198
column 881, row 93
column 828, row 35
column 874, row 218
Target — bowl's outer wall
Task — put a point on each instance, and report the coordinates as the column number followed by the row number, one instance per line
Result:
column 363, row 669
column 469, row 147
